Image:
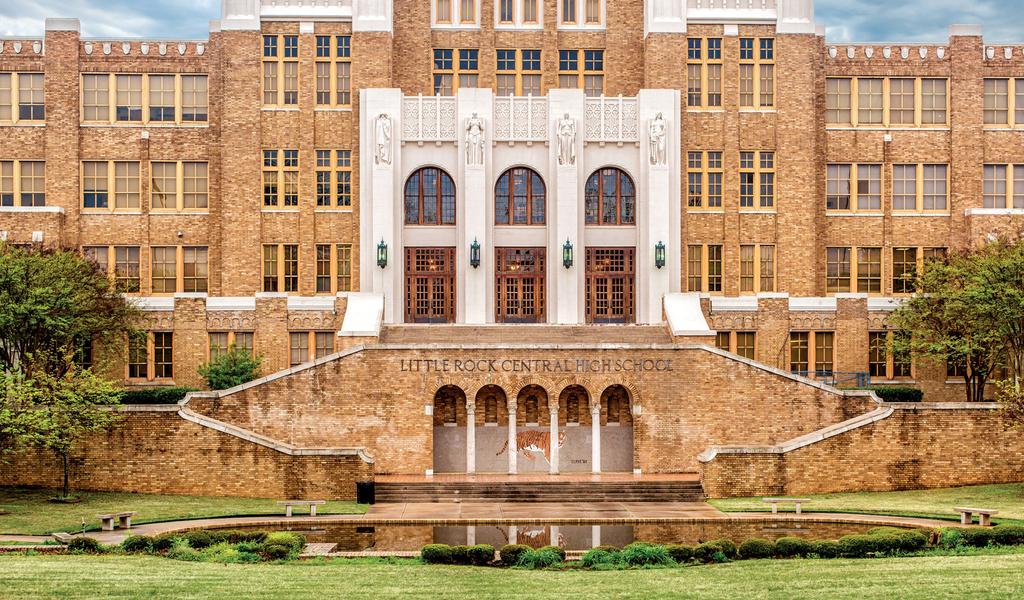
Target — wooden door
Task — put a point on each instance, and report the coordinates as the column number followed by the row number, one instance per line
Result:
column 611, row 285
column 519, row 288
column 429, row 285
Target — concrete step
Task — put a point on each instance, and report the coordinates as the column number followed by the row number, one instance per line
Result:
column 525, row 334
column 547, row 491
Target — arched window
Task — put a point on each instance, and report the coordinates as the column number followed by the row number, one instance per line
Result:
column 519, row 198
column 610, row 198
column 430, row 198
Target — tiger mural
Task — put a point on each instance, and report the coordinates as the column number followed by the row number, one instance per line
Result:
column 529, row 442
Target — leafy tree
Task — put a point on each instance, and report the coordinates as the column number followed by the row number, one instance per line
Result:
column 19, row 423
column 231, row 368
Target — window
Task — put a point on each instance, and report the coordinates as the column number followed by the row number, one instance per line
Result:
column 222, row 342
column 886, row 102
column 301, row 342
column 742, row 343
column 334, row 70
column 704, row 175
column 854, row 188
column 1003, row 186
column 844, row 266
column 881, row 362
column 450, row 75
column 518, row 78
column 757, row 180
column 430, row 198
column 280, row 70
column 334, row 178
column 519, row 198
column 100, row 177
column 195, row 98
column 704, row 268
column 908, row 262
column 280, row 178
column 590, row 78
column 121, row 263
column 722, row 341
column 812, row 348
column 610, row 198
column 95, row 97
column 21, row 97
column 920, row 188
column 517, row 12
column 151, row 356
column 179, row 269
column 280, row 268
column 129, row 98
column 161, row 98
column 586, row 13
column 179, row 186
column 22, row 183
column 142, row 99
column 299, row 348
column 757, row 72
column 757, row 268
column 704, row 72
column 333, row 268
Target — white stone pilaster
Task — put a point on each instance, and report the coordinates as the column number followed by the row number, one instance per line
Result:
column 475, row 208
column 470, row 435
column 566, row 213
column 372, row 15
column 595, row 437
column 513, row 449
column 795, row 16
column 595, row 536
column 665, row 16
column 471, row 535
column 554, row 440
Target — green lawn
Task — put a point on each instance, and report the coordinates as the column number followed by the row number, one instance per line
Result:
column 1007, row 498
column 30, row 513
column 120, row 577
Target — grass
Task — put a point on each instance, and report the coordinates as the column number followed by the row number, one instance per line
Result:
column 939, row 503
column 121, row 577
column 30, row 512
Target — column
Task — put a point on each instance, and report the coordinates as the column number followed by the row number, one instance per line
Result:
column 595, row 535
column 475, row 107
column 470, row 435
column 595, row 436
column 565, row 214
column 554, row 439
column 513, row 449
column 471, row 535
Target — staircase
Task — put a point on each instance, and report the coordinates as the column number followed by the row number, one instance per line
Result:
column 525, row 334
column 540, row 491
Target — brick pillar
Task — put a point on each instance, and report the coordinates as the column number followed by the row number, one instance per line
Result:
column 190, row 338
column 851, row 341
column 61, row 152
column 773, row 330
column 271, row 336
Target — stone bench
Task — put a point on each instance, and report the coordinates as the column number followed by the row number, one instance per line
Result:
column 984, row 515
column 776, row 501
column 62, row 537
column 312, row 504
column 124, row 520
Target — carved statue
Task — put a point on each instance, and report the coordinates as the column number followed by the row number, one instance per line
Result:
column 382, row 131
column 474, row 140
column 566, row 141
column 658, row 140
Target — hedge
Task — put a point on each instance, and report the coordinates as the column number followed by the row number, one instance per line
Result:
column 155, row 395
column 896, row 393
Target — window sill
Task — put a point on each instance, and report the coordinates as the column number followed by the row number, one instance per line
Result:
column 136, row 125
column 754, row 211
column 32, row 209
column 20, row 124
column 829, row 213
column 328, row 211
column 583, row 27
column 456, row 26
column 280, row 210
column 109, row 213
column 178, row 213
column 330, row 109
column 921, row 214
column 993, row 211
column 279, row 109
column 749, row 110
column 882, row 128
column 708, row 110
column 1004, row 128
column 519, row 26
column 705, row 211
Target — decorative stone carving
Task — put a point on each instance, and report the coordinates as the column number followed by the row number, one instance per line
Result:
column 144, row 48
column 383, row 133
column 17, row 47
column 833, row 51
column 200, row 49
column 162, row 49
column 851, row 52
column 658, row 140
column 1007, row 53
column 106, row 48
column 88, row 48
column 37, row 47
column 904, row 53
column 940, row 52
column 923, row 52
column 566, row 129
column 126, row 48
column 181, row 49
column 474, row 141
column 869, row 52
column 887, row 52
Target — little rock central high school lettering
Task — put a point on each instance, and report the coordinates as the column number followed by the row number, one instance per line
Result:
column 533, row 365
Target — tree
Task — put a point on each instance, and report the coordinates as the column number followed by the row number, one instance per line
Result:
column 19, row 423
column 969, row 311
column 230, row 369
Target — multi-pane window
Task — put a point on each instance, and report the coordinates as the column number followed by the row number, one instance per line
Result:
column 334, row 178
column 812, row 352
column 854, row 188
column 151, row 356
column 121, row 263
column 586, row 74
column 580, row 12
column 129, row 105
column 757, row 268
column 853, row 269
column 520, row 198
column 179, row 186
column 757, row 180
column 881, row 362
column 95, row 97
column 222, row 342
column 195, row 98
column 742, row 343
column 280, row 178
column 141, row 99
column 334, row 70
column 757, row 72
column 305, row 346
column 920, row 188
column 22, row 97
column 333, row 268
column 280, row 267
column 1003, row 186
column 886, row 102
column 517, row 12
column 161, row 98
column 610, row 198
column 280, row 70
column 704, row 268
column 518, row 72
column 704, row 72
column 1004, row 102
column 22, row 183
column 110, row 185
column 454, row 69
column 430, row 198
column 704, row 175
column 908, row 262
column 179, row 269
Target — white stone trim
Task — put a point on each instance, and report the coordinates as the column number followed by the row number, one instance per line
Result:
column 152, row 303
column 812, row 304
column 733, row 304
column 885, row 304
column 245, row 303
column 32, row 209
column 299, row 303
column 685, row 317
column 364, row 315
column 970, row 212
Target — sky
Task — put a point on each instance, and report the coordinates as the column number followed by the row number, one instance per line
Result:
column 846, row 20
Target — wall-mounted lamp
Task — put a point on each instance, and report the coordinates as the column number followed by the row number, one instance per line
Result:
column 659, row 255
column 474, row 254
column 382, row 254
column 567, row 254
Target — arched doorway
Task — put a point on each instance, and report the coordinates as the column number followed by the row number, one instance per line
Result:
column 490, row 430
column 450, row 430
column 616, row 430
column 574, row 423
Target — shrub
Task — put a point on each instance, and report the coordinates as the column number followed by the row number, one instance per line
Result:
column 460, row 555
column 481, row 555
column 680, row 553
column 861, row 546
column 825, row 548
column 911, row 541
column 226, row 553
column 198, row 539
column 598, row 556
column 728, row 548
column 1008, row 535
column 790, row 547
column 155, row 395
column 85, row 545
column 164, row 541
column 230, row 369
column 884, row 530
column 436, row 554
column 640, row 554
column 180, row 550
column 277, row 551
column 137, row 543
column 607, row 548
column 239, row 536
column 756, row 548
column 894, row 393
column 541, row 559
column 511, row 553
column 950, row 537
column 709, row 552
column 977, row 537
column 288, row 539
column 557, row 550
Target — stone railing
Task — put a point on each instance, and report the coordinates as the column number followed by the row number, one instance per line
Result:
column 518, row 119
column 612, row 120
column 428, row 119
